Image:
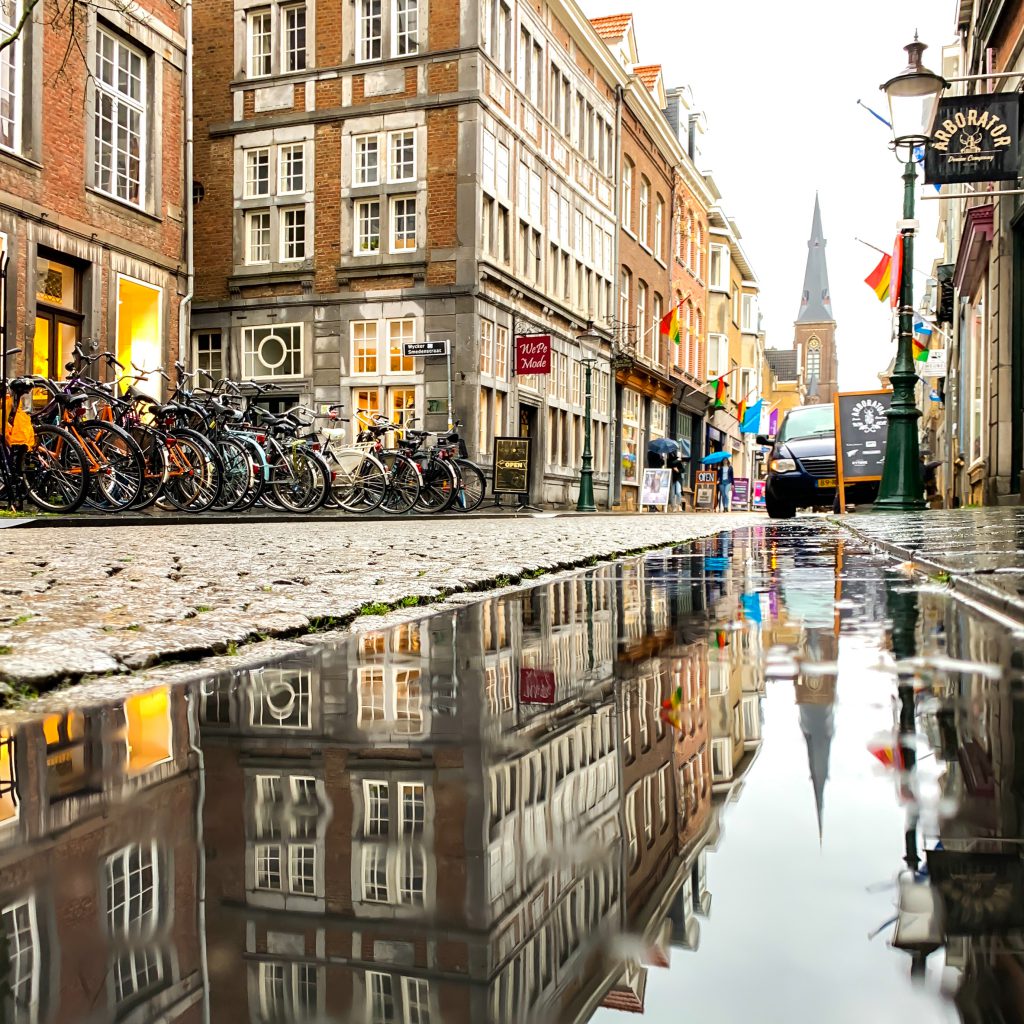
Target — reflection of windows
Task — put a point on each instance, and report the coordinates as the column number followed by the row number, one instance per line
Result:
column 664, row 782
column 281, row 699
column 375, row 796
column 416, row 993
column 288, row 992
column 136, row 971
column 634, row 841
column 8, row 779
column 408, row 701
column 132, row 894
column 375, row 874
column 412, row 872
column 380, row 998
column 721, row 759
column 287, row 868
column 413, row 807
column 388, row 1003
column 148, row 729
column 215, row 702
column 21, row 979
column 371, row 695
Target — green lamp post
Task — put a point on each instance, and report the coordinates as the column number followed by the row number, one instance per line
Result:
column 913, row 97
column 588, row 339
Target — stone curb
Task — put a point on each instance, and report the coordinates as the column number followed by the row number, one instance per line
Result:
column 965, row 585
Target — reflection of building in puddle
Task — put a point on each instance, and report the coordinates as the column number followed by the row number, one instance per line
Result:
column 98, row 814
column 436, row 836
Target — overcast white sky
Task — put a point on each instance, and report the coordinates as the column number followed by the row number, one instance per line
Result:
column 779, row 83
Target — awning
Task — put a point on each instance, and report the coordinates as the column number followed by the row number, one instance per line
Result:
column 972, row 259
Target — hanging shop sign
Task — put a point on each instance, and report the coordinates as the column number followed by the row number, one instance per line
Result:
column 511, row 471
column 536, row 686
column 936, row 365
column 975, row 138
column 533, row 354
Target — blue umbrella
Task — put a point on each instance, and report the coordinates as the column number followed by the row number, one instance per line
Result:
column 663, row 446
column 714, row 458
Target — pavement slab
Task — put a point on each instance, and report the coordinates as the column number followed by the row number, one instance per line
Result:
column 78, row 603
column 979, row 551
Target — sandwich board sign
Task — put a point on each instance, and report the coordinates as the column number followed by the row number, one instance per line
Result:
column 862, row 427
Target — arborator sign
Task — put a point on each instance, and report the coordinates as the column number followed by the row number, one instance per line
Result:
column 975, row 138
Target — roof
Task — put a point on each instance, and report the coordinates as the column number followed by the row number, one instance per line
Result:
column 815, row 301
column 783, row 363
column 648, row 74
column 612, row 27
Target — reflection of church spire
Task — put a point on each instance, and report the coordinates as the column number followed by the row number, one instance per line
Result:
column 816, row 723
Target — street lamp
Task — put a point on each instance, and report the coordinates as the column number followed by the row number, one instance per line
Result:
column 588, row 340
column 913, row 97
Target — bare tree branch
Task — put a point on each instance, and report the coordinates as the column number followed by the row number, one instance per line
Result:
column 22, row 21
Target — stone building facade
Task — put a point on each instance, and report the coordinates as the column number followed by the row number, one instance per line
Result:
column 92, row 184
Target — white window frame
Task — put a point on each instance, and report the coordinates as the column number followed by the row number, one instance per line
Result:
column 719, row 282
column 393, row 218
column 119, row 100
column 403, row 136
column 284, row 152
column 264, row 57
column 367, row 43
column 397, row 327
column 645, row 211
column 284, row 213
column 252, row 257
column 23, row 956
column 290, row 62
column 358, row 246
column 405, row 42
column 748, row 314
column 250, row 182
column 249, row 332
column 362, row 142
column 366, row 326
column 138, row 913
column 11, row 83
column 627, row 194
column 659, row 226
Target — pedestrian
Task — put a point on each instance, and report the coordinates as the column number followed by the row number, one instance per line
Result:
column 676, row 465
column 725, row 486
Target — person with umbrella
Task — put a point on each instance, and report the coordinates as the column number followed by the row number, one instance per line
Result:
column 725, row 477
column 663, row 451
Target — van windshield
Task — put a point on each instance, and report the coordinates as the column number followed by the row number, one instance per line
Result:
column 807, row 422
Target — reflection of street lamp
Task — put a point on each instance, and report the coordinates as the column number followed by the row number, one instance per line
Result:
column 588, row 339
column 913, row 99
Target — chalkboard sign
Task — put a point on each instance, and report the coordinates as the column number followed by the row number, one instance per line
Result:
column 861, row 431
column 511, row 472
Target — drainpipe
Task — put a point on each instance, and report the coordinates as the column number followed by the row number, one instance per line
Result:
column 614, row 468
column 185, row 306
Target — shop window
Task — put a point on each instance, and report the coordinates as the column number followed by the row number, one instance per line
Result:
column 400, row 333
column 365, row 405
column 139, row 341
column 8, row 779
column 59, row 317
column 148, row 729
column 402, row 405
column 68, row 760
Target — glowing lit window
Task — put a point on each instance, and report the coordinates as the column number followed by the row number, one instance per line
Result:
column 139, row 332
column 148, row 717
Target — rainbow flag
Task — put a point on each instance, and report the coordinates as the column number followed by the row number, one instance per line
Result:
column 670, row 324
column 880, row 278
column 720, row 389
column 920, row 350
column 741, row 412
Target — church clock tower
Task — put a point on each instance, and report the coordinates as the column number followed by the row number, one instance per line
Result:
column 814, row 337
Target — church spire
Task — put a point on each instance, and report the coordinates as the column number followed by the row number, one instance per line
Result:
column 815, row 302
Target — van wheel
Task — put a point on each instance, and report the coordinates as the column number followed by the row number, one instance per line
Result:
column 778, row 509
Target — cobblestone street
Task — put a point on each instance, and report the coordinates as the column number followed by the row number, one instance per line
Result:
column 83, row 602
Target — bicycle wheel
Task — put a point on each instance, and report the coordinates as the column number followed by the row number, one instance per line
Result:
column 439, row 486
column 359, row 482
column 55, row 471
column 155, row 463
column 403, row 483
column 238, row 473
column 324, row 474
column 296, row 482
column 193, row 482
column 118, row 466
column 260, row 470
column 472, row 486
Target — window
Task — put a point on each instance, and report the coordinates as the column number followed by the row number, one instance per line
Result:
column 624, row 283
column 634, row 843
column 643, row 333
column 367, row 223
column 132, row 894
column 293, row 234
column 645, row 204
column 718, row 354
column 486, row 347
column 412, row 797
column 369, row 29
column 406, row 27
column 377, row 812
column 10, row 77
column 659, row 225
column 294, row 28
column 59, row 316
column 139, row 337
column 748, row 314
column 288, row 991
column 412, row 865
column 814, row 359
column 719, row 268
column 281, row 698
column 648, row 809
column 403, row 224
column 380, row 997
column 400, row 333
column 366, row 160
column 291, row 164
column 137, row 971
column 501, row 354
column 402, row 156
column 496, row 32
column 272, row 351
column 375, row 874
column 416, row 993
column 257, row 234
column 401, row 405
column 371, row 680
column 627, row 194
column 260, row 43
column 120, row 110
column 257, row 173
column 21, row 980
column 364, row 347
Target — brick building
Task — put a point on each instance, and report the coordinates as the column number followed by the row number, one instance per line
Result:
column 375, row 178
column 92, row 184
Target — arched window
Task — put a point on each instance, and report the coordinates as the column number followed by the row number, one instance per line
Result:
column 691, row 242
column 813, row 359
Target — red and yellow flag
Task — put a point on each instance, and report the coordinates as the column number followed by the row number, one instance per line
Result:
column 879, row 279
column 720, row 389
column 896, row 272
column 742, row 410
column 670, row 324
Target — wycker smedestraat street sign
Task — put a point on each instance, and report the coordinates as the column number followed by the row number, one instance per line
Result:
column 418, row 349
column 975, row 138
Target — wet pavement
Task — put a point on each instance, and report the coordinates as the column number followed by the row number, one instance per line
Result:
column 981, row 551
column 490, row 816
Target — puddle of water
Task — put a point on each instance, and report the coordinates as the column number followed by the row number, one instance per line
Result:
column 483, row 815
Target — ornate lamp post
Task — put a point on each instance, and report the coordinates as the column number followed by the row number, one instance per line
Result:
column 913, row 97
column 588, row 340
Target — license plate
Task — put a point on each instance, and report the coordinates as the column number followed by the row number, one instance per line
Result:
column 827, row 481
